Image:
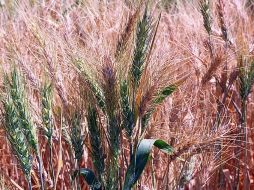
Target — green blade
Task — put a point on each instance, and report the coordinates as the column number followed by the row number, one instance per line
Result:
column 138, row 164
column 164, row 93
column 158, row 99
column 90, row 178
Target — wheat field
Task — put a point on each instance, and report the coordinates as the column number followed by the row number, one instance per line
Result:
column 127, row 94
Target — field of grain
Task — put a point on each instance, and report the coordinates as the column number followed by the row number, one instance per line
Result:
column 126, row 94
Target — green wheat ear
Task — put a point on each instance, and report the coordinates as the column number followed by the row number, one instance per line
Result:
column 93, row 86
column 13, row 125
column 47, row 116
column 127, row 114
column 47, row 121
column 15, row 135
column 18, row 96
column 76, row 136
column 246, row 79
column 96, row 141
column 143, row 38
column 16, row 92
column 206, row 13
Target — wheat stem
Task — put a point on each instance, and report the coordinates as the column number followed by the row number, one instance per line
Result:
column 38, row 157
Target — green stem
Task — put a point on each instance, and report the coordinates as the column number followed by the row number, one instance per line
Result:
column 40, row 171
column 245, row 131
column 51, row 161
column 153, row 176
column 131, row 148
column 78, row 181
column 29, row 182
column 113, row 180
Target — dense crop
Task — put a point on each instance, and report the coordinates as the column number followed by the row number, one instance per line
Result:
column 124, row 94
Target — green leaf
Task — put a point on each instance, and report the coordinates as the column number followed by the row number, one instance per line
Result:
column 90, row 178
column 164, row 93
column 159, row 98
column 138, row 164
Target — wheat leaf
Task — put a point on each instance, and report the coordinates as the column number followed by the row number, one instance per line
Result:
column 138, row 164
column 90, row 178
